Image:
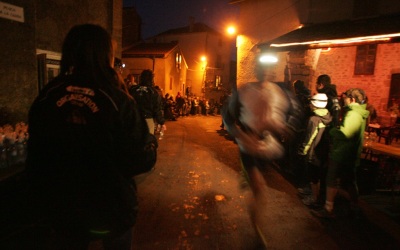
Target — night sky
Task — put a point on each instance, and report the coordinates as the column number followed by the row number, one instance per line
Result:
column 161, row 15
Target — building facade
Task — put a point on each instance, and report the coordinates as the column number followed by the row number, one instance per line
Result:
column 264, row 23
column 208, row 56
column 32, row 36
column 166, row 60
column 131, row 27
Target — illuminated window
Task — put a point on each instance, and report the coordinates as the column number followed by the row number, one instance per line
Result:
column 218, row 81
column 365, row 59
column 178, row 61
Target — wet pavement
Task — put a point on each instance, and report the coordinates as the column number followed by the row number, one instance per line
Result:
column 195, row 199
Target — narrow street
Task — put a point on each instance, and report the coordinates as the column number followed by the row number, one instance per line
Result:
column 195, row 199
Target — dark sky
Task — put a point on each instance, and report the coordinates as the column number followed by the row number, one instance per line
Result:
column 161, row 15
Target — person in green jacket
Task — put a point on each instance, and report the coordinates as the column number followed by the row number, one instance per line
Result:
column 344, row 155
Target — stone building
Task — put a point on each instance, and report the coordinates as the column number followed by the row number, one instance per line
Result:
column 166, row 60
column 131, row 27
column 31, row 38
column 314, row 37
column 208, row 55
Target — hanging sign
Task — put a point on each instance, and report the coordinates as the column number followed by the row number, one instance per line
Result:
column 12, row 12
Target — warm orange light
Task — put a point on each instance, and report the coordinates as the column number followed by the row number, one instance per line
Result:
column 203, row 58
column 326, row 43
column 325, row 49
column 231, row 30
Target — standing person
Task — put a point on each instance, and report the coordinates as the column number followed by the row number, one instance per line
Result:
column 160, row 93
column 297, row 166
column 188, row 104
column 317, row 123
column 303, row 95
column 223, row 103
column 149, row 100
column 261, row 116
column 325, row 86
column 86, row 140
column 344, row 157
column 180, row 102
column 130, row 81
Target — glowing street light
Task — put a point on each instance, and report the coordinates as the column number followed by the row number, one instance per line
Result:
column 268, row 59
column 231, row 30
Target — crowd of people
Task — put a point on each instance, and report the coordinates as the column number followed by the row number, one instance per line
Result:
column 321, row 134
column 91, row 132
column 181, row 106
column 87, row 140
column 324, row 132
column 331, row 146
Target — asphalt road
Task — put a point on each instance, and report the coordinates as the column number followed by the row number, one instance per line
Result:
column 195, row 200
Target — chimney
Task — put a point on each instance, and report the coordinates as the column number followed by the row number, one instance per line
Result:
column 191, row 24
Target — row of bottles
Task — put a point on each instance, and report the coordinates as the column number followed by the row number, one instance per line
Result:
column 13, row 141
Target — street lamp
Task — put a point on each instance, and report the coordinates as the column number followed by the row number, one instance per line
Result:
column 204, row 68
column 231, row 30
column 232, row 33
column 268, row 58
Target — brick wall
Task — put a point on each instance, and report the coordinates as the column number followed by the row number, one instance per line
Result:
column 339, row 64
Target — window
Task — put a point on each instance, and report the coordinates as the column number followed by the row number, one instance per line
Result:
column 178, row 61
column 365, row 59
column 48, row 66
column 394, row 94
column 218, row 81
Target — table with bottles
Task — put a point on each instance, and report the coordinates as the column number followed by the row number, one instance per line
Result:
column 13, row 141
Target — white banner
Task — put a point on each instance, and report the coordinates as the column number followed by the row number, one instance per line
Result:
column 11, row 12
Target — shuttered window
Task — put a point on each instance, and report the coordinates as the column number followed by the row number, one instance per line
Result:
column 365, row 59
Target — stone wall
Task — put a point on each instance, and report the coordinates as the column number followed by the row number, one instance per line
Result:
column 131, row 27
column 18, row 69
column 339, row 64
column 45, row 24
column 299, row 69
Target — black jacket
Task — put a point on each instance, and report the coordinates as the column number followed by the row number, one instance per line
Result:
column 85, row 145
column 316, row 126
column 149, row 102
column 333, row 103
